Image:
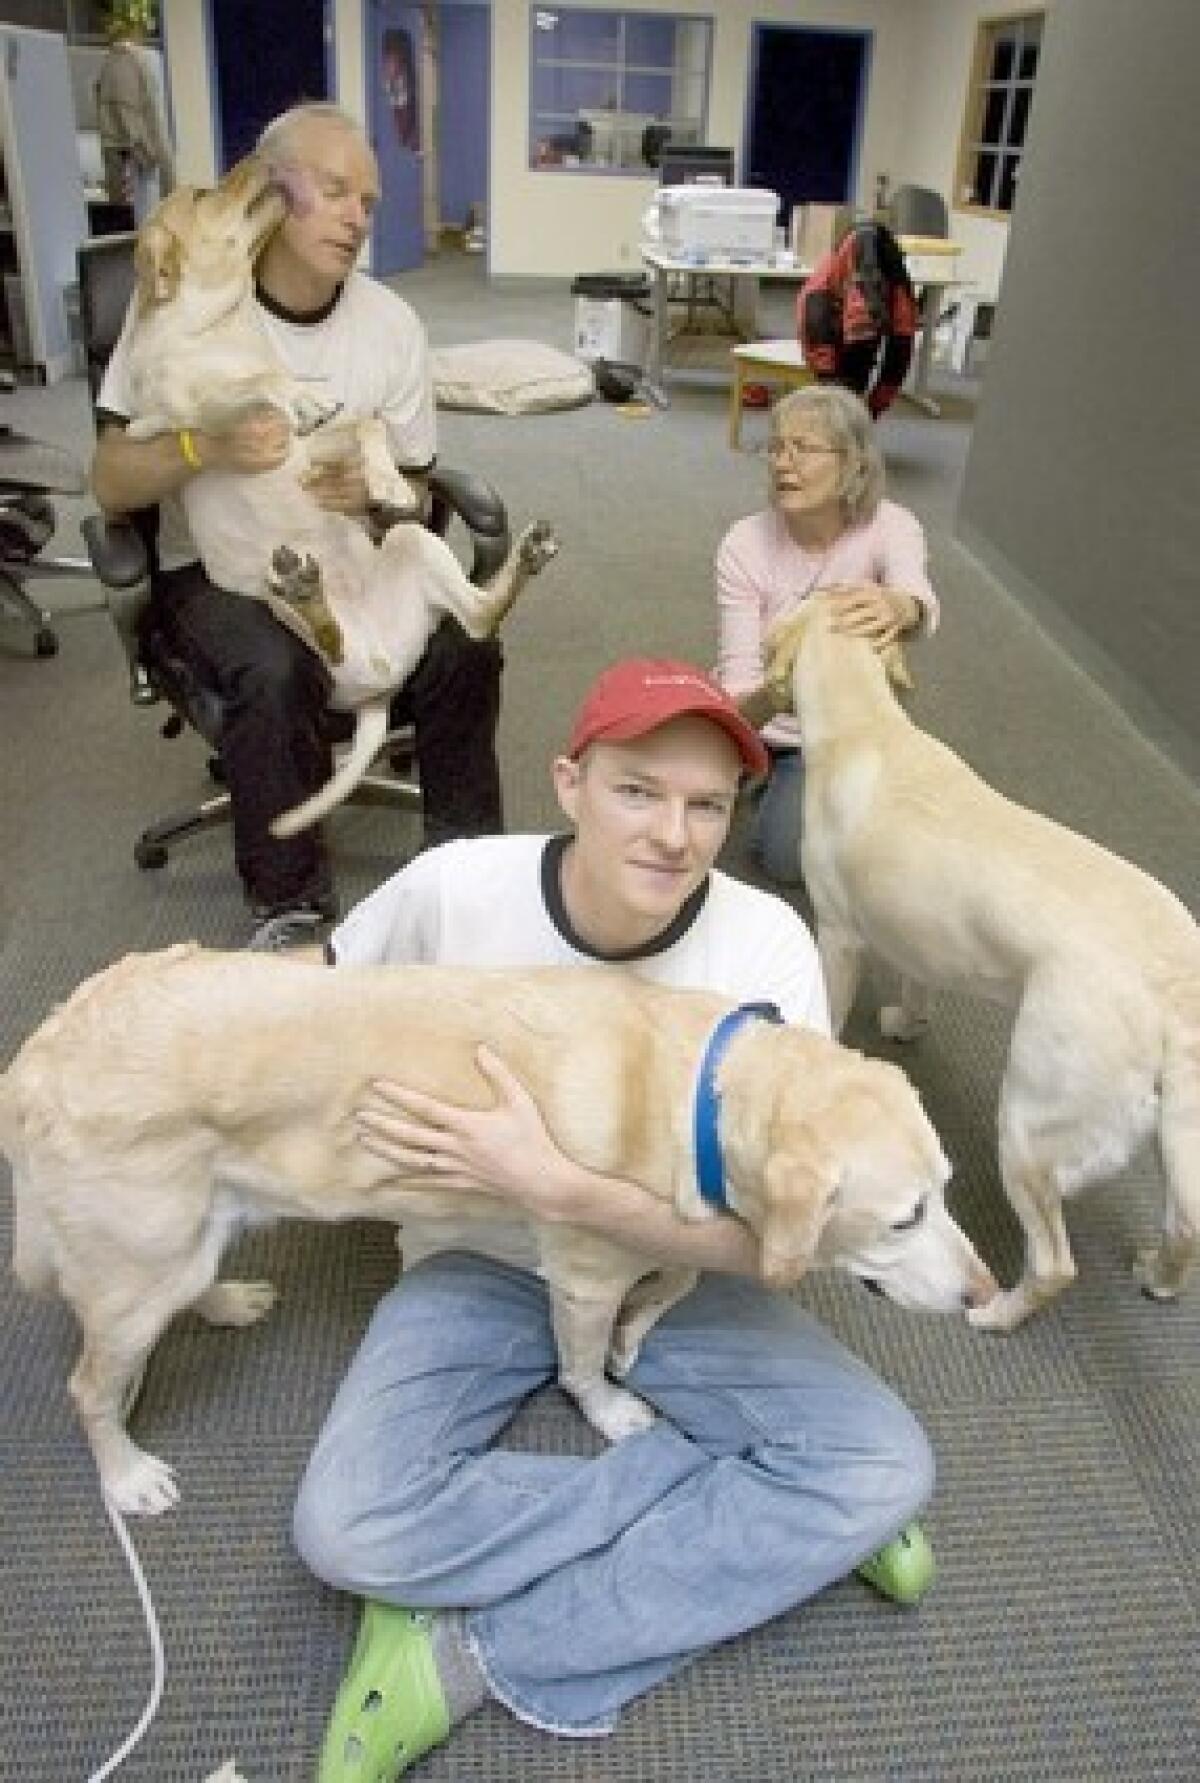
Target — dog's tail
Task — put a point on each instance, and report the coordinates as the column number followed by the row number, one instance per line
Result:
column 33, row 1248
column 33, row 1258
column 370, row 733
column 1179, row 1118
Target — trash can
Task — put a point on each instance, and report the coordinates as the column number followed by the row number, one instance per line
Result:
column 612, row 313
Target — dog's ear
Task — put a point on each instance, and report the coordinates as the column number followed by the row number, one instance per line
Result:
column 895, row 664
column 799, row 1184
column 783, row 645
column 158, row 256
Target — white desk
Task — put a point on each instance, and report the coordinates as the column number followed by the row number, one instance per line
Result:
column 933, row 276
column 931, row 267
column 749, row 274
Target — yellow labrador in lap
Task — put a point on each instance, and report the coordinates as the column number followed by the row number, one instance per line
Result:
column 178, row 1095
column 200, row 357
column 908, row 853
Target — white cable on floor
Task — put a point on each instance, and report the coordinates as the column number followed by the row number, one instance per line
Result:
column 156, row 1648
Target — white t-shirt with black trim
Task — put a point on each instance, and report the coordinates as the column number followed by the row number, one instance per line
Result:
column 496, row 901
column 367, row 349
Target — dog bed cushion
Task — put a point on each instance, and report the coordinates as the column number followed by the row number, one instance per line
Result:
column 509, row 377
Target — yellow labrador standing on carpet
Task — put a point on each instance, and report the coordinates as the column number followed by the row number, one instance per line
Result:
column 908, row 853
column 179, row 1094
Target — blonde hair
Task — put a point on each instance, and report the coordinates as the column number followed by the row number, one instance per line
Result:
column 278, row 139
column 846, row 423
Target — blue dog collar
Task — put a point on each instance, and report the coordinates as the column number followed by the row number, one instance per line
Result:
column 706, row 1137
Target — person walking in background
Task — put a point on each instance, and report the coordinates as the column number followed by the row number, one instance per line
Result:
column 139, row 168
column 857, row 316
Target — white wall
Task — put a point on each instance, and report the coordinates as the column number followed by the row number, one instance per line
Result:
column 942, row 36
column 185, row 39
column 554, row 225
column 557, row 224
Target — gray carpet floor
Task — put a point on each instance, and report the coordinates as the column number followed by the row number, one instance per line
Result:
column 1062, row 1637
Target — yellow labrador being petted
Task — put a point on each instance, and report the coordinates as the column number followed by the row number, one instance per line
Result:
column 908, row 853
column 179, row 1094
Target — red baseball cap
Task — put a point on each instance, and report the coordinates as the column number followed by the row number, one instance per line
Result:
column 634, row 697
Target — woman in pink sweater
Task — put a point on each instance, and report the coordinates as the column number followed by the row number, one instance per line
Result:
column 828, row 528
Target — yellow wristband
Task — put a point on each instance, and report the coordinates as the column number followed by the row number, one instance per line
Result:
column 187, row 446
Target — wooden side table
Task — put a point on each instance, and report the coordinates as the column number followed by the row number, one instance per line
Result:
column 763, row 362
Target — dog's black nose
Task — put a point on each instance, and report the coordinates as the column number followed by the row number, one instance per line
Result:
column 872, row 1285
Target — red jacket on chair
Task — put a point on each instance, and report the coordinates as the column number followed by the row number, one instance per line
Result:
column 859, row 295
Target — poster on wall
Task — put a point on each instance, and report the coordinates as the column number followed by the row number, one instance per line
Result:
column 398, row 77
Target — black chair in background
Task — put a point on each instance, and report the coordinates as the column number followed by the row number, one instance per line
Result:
column 32, row 473
column 919, row 210
column 122, row 555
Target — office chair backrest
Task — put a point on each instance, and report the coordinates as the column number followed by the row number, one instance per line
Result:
column 106, row 280
column 917, row 210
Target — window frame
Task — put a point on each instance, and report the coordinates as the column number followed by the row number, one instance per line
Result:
column 972, row 143
column 619, row 70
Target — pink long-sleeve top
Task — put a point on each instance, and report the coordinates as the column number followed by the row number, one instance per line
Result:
column 763, row 575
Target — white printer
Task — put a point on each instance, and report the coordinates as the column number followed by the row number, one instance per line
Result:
column 722, row 221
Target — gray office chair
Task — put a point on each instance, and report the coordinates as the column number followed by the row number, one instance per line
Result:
column 122, row 555
column 32, row 473
column 918, row 210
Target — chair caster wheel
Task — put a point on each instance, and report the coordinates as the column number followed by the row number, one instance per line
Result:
column 45, row 642
column 150, row 855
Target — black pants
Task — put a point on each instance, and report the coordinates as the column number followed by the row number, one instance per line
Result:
column 856, row 364
column 275, row 728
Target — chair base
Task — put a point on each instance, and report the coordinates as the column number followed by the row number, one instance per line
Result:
column 24, row 607
column 152, row 848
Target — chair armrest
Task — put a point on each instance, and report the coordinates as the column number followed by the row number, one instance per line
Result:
column 478, row 505
column 117, row 550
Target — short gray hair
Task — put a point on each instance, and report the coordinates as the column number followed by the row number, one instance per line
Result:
column 845, row 421
column 278, row 140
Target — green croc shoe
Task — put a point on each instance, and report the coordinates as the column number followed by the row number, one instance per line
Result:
column 904, row 1569
column 390, row 1709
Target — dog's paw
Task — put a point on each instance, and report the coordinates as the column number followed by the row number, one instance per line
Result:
column 308, row 412
column 614, row 1411
column 1003, row 1312
column 296, row 582
column 1154, row 1275
column 237, row 1303
column 141, row 1486
column 895, row 1023
column 537, row 546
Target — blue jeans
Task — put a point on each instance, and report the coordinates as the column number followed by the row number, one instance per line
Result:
column 777, row 821
column 778, row 1464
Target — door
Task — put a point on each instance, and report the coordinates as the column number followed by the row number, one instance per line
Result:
column 807, row 94
column 464, row 95
column 267, row 58
column 394, row 41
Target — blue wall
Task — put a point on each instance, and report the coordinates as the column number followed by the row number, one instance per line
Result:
column 465, row 61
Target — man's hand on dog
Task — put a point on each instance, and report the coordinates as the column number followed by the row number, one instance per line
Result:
column 504, row 1151
column 340, row 486
column 255, row 442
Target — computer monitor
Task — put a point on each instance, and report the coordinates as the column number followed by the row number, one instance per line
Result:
column 695, row 164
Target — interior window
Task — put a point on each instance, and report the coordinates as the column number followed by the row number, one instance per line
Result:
column 608, row 90
column 1004, row 73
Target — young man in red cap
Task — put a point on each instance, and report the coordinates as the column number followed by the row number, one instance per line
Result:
column 562, row 1586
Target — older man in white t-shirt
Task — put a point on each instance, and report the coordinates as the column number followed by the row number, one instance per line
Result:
column 361, row 343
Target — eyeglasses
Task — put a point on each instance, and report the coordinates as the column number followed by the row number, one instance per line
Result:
column 784, row 446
